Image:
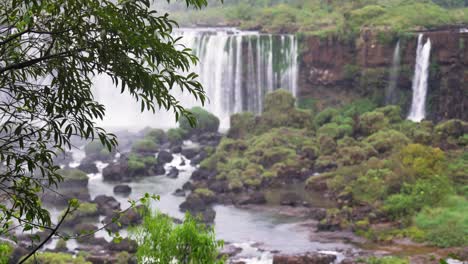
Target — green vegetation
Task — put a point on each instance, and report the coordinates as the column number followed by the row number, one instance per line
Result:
column 56, row 258
column 96, row 148
column 145, row 145
column 73, row 175
column 190, row 242
column 384, row 260
column 205, row 122
column 370, row 158
column 138, row 164
column 176, row 135
column 128, row 41
column 156, row 135
column 322, row 18
column 5, row 252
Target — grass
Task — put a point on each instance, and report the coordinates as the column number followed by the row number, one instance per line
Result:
column 447, row 224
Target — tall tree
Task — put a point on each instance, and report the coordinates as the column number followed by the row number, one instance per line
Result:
column 49, row 52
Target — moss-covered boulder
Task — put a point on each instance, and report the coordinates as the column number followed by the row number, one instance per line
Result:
column 242, row 125
column 205, row 122
column 325, row 116
column 56, row 258
column 327, row 145
column 156, row 135
column 73, row 178
column 96, row 151
column 176, row 135
column 145, row 146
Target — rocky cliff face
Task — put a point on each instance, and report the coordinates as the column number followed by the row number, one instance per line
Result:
column 335, row 71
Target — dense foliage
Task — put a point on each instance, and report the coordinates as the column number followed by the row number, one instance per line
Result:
column 369, row 157
column 340, row 17
column 161, row 241
column 50, row 51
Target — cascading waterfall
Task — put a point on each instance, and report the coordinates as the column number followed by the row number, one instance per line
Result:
column 236, row 68
column 393, row 79
column 421, row 75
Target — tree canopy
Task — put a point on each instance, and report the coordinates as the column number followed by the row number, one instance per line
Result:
column 50, row 51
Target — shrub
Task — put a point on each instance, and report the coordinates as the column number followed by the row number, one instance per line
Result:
column 447, row 225
column 93, row 147
column 204, row 192
column 205, row 122
column 386, row 260
column 421, row 160
column 372, row 122
column 61, row 245
column 370, row 187
column 189, row 242
column 145, row 146
column 56, row 258
column 327, row 145
column 391, row 112
column 156, row 135
column 325, row 116
column 5, row 252
column 335, row 131
column 137, row 164
column 73, row 175
column 387, row 140
column 176, row 135
column 413, row 197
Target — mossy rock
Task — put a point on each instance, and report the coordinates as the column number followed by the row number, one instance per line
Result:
column 73, row 178
column 176, row 135
column 156, row 135
column 242, row 125
column 145, row 145
column 278, row 101
column 206, row 122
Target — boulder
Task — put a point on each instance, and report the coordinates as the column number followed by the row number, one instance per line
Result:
column 203, row 174
column 88, row 167
column 290, row 199
column 173, row 173
column 116, row 172
column 315, row 258
column 176, row 149
column 164, row 157
column 122, row 189
column 179, row 193
column 106, row 205
column 190, row 152
column 125, row 245
column 254, row 198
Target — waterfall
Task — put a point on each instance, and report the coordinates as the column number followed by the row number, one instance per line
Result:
column 421, row 74
column 236, row 68
column 393, row 79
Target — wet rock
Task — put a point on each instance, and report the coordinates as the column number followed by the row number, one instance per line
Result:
column 60, row 197
column 116, row 172
column 18, row 253
column 122, row 190
column 254, row 198
column 179, row 193
column 190, row 152
column 128, row 218
column 159, row 170
column 92, row 240
column 182, row 162
column 198, row 158
column 164, row 157
column 230, row 250
column 82, row 228
column 188, row 186
column 203, row 174
column 318, row 213
column 88, row 167
column 125, row 245
column 106, row 205
column 290, row 199
column 173, row 173
column 219, row 186
column 176, row 149
column 193, row 203
column 315, row 258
